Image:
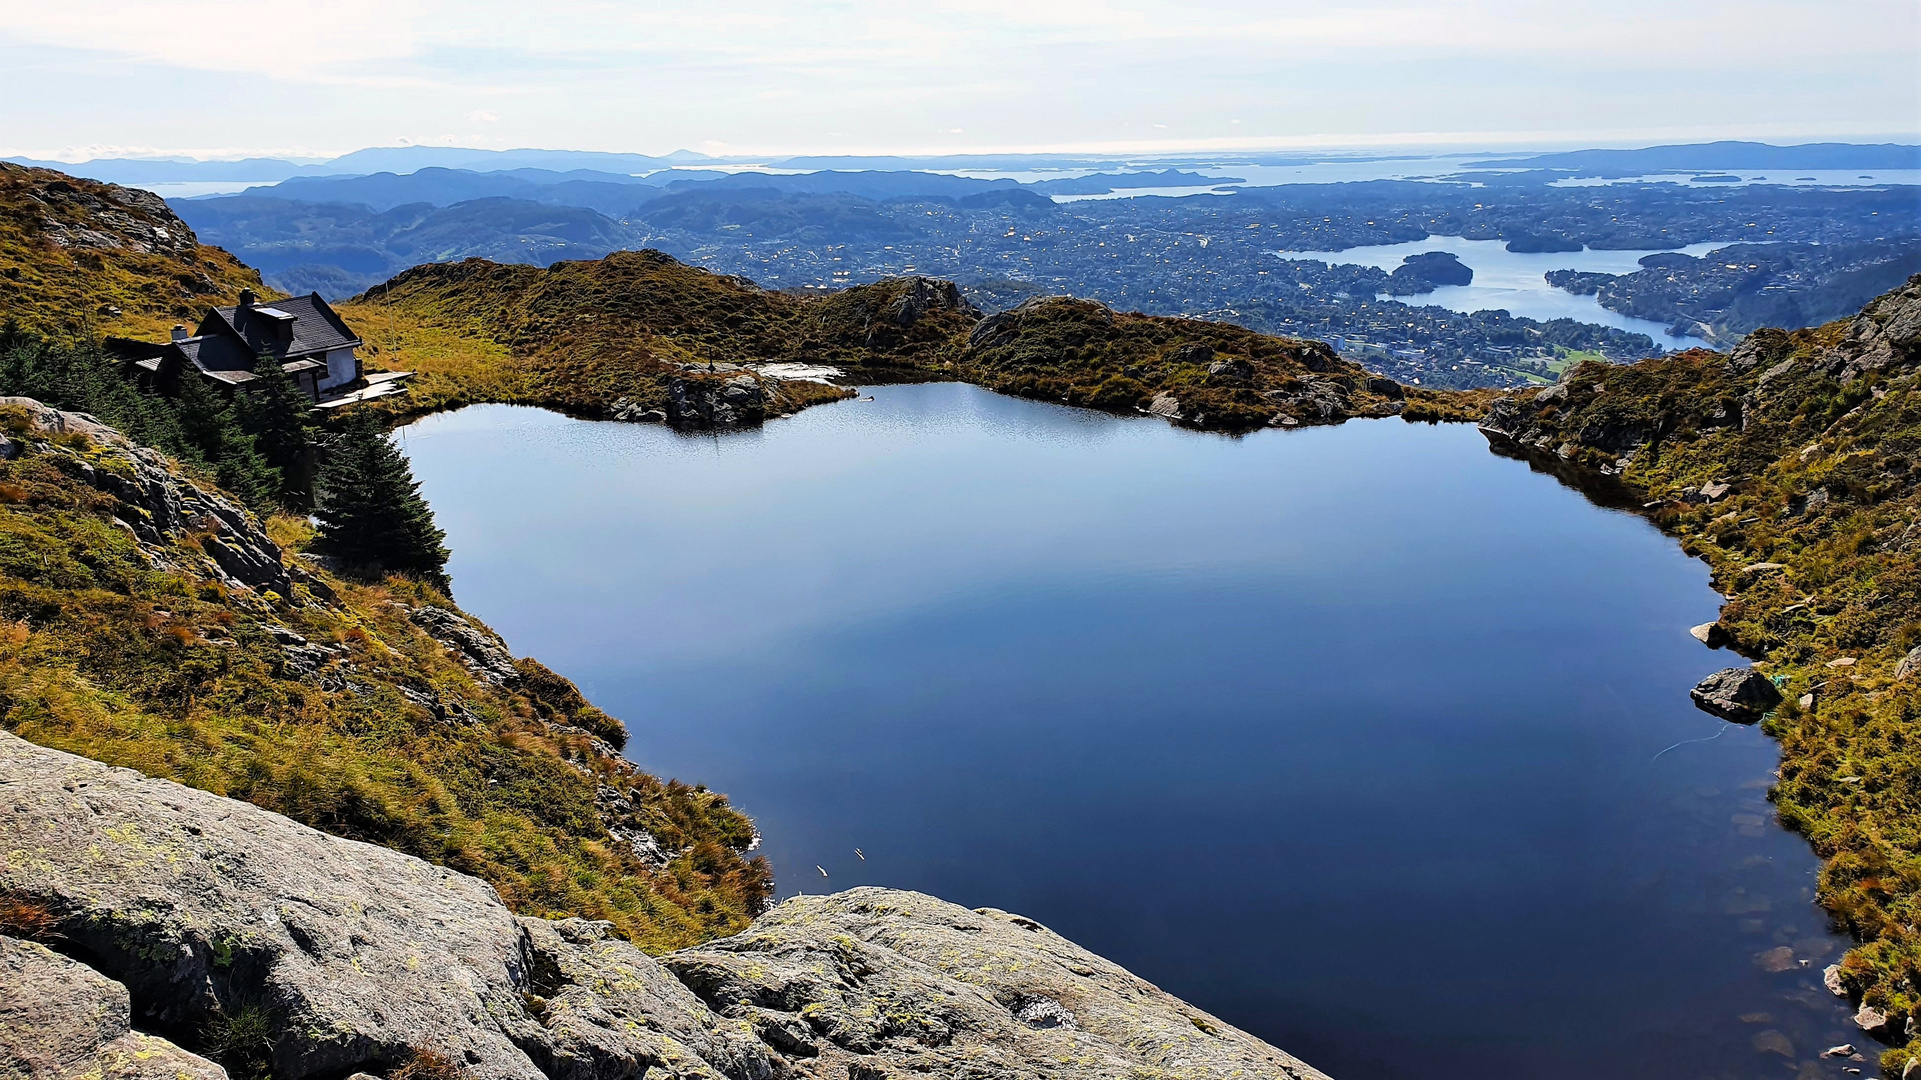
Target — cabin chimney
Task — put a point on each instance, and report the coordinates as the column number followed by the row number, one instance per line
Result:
column 179, row 332
column 246, row 298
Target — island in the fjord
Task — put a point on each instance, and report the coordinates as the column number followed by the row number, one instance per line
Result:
column 447, row 867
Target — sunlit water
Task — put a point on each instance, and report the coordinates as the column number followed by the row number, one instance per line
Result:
column 1516, row 282
column 1365, row 739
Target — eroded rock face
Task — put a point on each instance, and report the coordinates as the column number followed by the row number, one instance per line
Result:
column 60, row 1018
column 158, row 504
column 362, row 957
column 1740, row 694
column 480, row 651
column 715, row 401
column 201, row 905
column 116, row 218
column 876, row 982
column 921, row 296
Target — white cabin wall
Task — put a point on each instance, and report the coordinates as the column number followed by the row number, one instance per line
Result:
column 342, row 367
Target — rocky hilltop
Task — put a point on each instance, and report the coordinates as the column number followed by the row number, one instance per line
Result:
column 77, row 256
column 1792, row 465
column 638, row 335
column 181, row 922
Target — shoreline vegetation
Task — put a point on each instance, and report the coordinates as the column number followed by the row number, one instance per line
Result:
column 1790, row 465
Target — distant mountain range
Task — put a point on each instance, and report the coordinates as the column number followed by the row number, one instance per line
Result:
column 396, row 159
column 1717, row 156
column 402, row 160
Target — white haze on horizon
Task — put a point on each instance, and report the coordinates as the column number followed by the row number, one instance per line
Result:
column 311, row 79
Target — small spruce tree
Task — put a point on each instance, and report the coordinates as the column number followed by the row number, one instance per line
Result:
column 279, row 416
column 209, row 423
column 372, row 518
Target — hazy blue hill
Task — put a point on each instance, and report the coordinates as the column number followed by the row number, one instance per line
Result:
column 1022, row 199
column 385, row 190
column 990, row 162
column 870, row 184
column 173, row 171
column 1710, row 157
column 338, row 249
column 405, row 159
column 713, row 211
column 1102, row 183
column 613, row 194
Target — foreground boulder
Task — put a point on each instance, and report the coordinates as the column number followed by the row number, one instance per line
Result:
column 877, row 982
column 1742, row 695
column 355, row 957
column 61, row 1018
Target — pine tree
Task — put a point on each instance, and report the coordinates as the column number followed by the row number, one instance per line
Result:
column 279, row 417
column 372, row 518
column 211, row 425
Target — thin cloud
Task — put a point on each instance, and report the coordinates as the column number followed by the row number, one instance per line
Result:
column 981, row 73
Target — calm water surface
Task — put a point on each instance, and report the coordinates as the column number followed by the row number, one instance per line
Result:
column 1363, row 738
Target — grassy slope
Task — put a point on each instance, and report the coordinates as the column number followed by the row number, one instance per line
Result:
column 582, row 335
column 73, row 250
column 145, row 659
column 1820, row 432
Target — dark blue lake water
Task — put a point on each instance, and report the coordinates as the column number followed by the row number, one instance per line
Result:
column 1362, row 738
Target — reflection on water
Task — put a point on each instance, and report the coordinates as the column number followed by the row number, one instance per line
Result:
column 1368, row 740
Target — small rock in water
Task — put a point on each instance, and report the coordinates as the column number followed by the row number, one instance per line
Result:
column 1838, row 1051
column 1871, row 1019
column 1779, row 959
column 1710, row 634
column 1773, row 1042
column 1738, row 694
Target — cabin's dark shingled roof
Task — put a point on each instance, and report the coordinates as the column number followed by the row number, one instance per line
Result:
column 315, row 329
column 216, row 353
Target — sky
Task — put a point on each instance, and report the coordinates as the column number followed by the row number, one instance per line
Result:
column 315, row 78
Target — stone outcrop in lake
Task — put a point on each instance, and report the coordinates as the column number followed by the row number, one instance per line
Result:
column 236, row 931
column 709, row 398
column 1742, row 694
